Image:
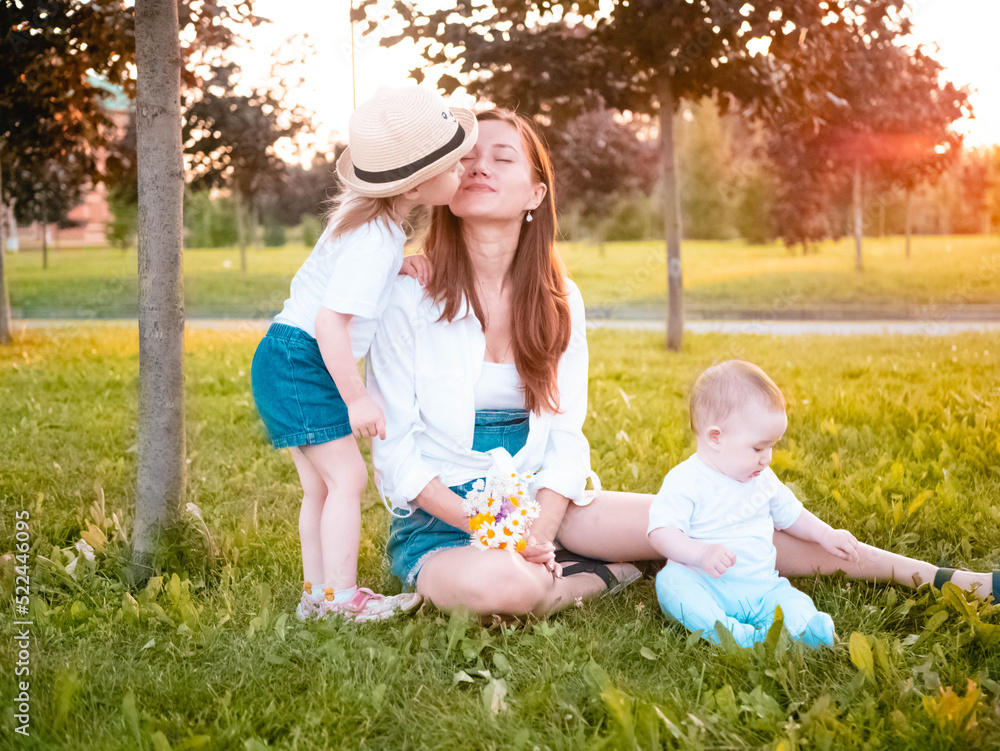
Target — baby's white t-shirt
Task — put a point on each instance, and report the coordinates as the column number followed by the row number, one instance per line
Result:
column 711, row 507
column 351, row 274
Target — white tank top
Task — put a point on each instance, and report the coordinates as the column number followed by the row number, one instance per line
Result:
column 499, row 387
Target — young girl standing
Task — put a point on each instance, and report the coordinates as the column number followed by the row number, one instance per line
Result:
column 404, row 151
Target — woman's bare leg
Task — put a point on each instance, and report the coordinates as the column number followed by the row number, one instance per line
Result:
column 612, row 527
column 498, row 582
column 801, row 558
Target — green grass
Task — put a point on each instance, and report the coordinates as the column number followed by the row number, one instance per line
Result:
column 718, row 276
column 733, row 275
column 102, row 283
column 894, row 438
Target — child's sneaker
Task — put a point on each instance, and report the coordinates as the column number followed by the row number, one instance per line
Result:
column 308, row 607
column 365, row 605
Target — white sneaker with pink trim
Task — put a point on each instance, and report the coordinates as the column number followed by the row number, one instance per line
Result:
column 365, row 605
column 308, row 607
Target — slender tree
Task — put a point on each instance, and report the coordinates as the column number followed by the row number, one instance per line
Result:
column 46, row 196
column 161, row 455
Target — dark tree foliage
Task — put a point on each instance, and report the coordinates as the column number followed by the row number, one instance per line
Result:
column 806, row 187
column 642, row 57
column 561, row 66
column 208, row 28
column 51, row 120
column 863, row 107
column 48, row 195
column 597, row 158
column 229, row 137
column 60, row 57
column 55, row 55
column 304, row 192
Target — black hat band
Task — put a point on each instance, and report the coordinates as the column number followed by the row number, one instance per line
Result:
column 401, row 173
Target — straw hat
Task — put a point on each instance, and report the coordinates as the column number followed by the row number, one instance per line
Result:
column 401, row 137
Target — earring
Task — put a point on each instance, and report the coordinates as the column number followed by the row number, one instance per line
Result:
column 528, row 217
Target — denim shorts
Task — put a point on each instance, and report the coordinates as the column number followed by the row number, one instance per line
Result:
column 294, row 392
column 415, row 538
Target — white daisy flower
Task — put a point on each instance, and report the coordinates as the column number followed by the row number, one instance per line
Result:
column 84, row 548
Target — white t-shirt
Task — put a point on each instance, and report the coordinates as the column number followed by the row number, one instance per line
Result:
column 499, row 387
column 711, row 507
column 351, row 274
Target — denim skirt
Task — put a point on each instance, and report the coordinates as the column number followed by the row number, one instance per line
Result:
column 415, row 538
column 294, row 392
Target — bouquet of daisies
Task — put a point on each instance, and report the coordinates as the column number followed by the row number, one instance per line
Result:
column 500, row 508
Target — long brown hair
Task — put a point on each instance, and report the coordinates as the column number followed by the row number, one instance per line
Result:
column 540, row 316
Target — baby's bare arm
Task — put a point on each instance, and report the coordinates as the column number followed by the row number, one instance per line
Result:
column 676, row 546
column 840, row 542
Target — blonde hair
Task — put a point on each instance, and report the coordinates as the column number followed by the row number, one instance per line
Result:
column 727, row 388
column 350, row 210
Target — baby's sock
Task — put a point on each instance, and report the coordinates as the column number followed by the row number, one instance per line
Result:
column 818, row 631
column 340, row 595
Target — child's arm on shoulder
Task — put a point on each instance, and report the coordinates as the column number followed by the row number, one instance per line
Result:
column 676, row 546
column 417, row 267
column 334, row 342
column 840, row 542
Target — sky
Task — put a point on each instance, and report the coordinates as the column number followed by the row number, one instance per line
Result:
column 962, row 31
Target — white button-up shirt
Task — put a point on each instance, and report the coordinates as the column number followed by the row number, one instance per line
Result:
column 423, row 372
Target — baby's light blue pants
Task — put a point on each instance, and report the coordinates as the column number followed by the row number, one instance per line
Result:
column 745, row 606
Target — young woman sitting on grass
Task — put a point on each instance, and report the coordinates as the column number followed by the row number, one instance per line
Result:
column 493, row 353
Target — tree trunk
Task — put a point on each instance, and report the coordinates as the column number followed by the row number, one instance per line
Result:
column 255, row 226
column 671, row 216
column 161, row 456
column 241, row 229
column 45, row 243
column 857, row 216
column 4, row 297
column 909, row 221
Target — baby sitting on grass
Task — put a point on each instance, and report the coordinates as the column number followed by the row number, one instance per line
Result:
column 715, row 516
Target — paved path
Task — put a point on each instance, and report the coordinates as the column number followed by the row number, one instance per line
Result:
column 795, row 328
column 772, row 328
